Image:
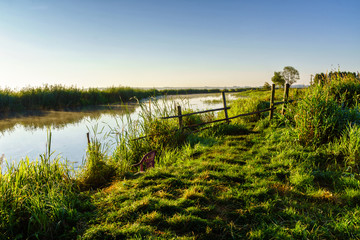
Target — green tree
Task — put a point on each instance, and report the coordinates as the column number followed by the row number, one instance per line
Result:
column 267, row 86
column 278, row 79
column 290, row 75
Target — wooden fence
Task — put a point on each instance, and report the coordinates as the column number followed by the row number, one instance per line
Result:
column 225, row 108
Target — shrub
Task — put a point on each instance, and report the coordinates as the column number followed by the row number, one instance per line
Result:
column 350, row 144
column 318, row 118
column 345, row 89
column 327, row 109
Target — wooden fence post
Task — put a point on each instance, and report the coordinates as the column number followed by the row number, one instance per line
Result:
column 225, row 108
column 286, row 96
column 180, row 118
column 88, row 138
column 272, row 101
column 150, row 106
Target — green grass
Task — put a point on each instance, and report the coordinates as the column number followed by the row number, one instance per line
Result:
column 257, row 186
column 39, row 200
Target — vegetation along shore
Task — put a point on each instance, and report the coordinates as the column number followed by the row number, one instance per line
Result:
column 58, row 97
column 295, row 176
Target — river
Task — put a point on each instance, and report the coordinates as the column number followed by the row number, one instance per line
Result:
column 26, row 136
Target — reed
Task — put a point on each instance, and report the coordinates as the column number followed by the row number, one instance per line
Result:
column 38, row 198
column 97, row 169
column 148, row 132
column 57, row 97
column 327, row 109
column 157, row 134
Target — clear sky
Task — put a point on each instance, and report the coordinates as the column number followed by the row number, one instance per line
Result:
column 173, row 43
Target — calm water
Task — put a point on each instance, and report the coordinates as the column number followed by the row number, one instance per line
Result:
column 26, row 136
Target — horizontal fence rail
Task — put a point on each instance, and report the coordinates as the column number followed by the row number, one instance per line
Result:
column 189, row 114
column 279, row 103
column 229, row 118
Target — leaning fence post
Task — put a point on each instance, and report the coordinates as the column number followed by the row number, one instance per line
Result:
column 225, row 109
column 272, row 101
column 286, row 96
column 180, row 118
column 88, row 138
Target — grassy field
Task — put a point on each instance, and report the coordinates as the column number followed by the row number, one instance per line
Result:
column 295, row 177
column 252, row 185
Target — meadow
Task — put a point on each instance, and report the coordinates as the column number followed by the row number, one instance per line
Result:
column 294, row 177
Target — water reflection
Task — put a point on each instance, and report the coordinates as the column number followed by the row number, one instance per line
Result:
column 60, row 119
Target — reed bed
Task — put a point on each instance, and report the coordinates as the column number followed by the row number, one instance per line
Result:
column 58, row 97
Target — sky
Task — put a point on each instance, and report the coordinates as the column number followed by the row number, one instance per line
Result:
column 173, row 43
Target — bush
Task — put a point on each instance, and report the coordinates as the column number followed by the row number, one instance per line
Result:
column 350, row 144
column 318, row 118
column 345, row 89
column 327, row 109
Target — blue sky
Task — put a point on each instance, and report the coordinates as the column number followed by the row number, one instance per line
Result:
column 168, row 43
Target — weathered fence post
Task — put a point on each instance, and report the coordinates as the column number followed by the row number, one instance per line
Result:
column 225, row 109
column 286, row 96
column 150, row 106
column 180, row 118
column 272, row 101
column 88, row 138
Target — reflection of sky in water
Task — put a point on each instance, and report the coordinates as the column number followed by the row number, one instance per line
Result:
column 71, row 142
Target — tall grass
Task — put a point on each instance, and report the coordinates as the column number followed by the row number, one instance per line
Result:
column 319, row 118
column 97, row 169
column 326, row 110
column 148, row 132
column 248, row 105
column 58, row 97
column 38, row 199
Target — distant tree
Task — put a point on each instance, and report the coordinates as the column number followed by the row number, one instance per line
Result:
column 319, row 78
column 267, row 86
column 278, row 79
column 290, row 75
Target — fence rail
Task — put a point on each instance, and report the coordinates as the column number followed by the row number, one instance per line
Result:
column 189, row 114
